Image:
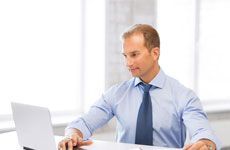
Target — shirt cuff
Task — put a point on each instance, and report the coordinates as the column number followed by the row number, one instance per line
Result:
column 80, row 125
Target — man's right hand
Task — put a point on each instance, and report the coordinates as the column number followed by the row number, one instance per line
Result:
column 73, row 139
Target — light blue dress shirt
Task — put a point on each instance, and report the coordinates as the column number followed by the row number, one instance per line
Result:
column 175, row 110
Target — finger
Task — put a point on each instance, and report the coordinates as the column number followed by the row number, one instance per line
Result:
column 64, row 143
column 61, row 145
column 187, row 146
column 76, row 139
column 70, row 145
column 79, row 140
column 85, row 143
column 204, row 147
column 196, row 145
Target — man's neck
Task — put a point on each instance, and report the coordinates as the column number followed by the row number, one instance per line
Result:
column 152, row 76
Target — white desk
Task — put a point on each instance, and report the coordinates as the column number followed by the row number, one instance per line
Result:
column 9, row 141
column 104, row 145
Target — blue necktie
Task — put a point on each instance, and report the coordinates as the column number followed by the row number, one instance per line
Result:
column 144, row 129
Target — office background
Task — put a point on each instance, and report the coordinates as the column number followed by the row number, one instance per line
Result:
column 64, row 54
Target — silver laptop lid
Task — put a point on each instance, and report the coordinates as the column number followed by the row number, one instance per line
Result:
column 33, row 127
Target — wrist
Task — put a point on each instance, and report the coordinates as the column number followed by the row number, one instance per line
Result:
column 72, row 131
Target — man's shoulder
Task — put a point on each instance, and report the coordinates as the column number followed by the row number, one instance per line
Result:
column 179, row 93
column 122, row 86
column 178, row 89
column 174, row 83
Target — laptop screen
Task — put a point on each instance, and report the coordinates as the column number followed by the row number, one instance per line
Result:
column 33, row 127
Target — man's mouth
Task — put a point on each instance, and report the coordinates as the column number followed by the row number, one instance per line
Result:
column 132, row 69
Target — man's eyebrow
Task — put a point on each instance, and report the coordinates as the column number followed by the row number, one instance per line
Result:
column 135, row 51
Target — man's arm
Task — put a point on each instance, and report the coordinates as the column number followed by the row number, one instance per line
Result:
column 198, row 126
column 79, row 131
column 203, row 144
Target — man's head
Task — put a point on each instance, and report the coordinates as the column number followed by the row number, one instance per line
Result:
column 150, row 35
column 141, row 50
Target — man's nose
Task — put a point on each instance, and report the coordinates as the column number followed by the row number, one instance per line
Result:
column 129, row 62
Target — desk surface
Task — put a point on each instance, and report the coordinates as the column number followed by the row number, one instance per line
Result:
column 9, row 141
column 105, row 145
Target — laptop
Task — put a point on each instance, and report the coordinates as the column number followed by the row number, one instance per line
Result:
column 33, row 126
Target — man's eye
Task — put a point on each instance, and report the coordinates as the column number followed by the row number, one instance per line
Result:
column 133, row 55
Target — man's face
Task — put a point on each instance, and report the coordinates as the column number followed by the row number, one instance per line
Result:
column 140, row 61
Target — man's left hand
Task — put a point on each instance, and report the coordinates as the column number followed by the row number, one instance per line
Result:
column 203, row 144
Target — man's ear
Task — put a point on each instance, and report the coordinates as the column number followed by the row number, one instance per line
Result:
column 156, row 52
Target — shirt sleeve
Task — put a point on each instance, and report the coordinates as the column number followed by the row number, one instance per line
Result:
column 196, row 121
column 98, row 115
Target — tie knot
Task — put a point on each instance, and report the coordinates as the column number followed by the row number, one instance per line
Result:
column 147, row 87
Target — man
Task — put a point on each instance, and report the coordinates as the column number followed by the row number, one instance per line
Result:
column 157, row 115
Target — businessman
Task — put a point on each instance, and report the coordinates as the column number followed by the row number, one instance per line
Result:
column 151, row 108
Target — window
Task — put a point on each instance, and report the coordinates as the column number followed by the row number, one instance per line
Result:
column 195, row 49
column 47, row 51
column 175, row 23
column 214, row 50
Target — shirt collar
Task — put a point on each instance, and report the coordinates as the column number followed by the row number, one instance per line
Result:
column 158, row 81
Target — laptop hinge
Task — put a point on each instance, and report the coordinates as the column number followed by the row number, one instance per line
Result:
column 27, row 148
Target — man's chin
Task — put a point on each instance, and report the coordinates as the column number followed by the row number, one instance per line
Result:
column 135, row 75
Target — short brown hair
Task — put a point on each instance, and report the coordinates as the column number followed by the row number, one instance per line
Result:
column 150, row 34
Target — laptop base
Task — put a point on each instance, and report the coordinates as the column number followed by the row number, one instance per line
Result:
column 26, row 148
